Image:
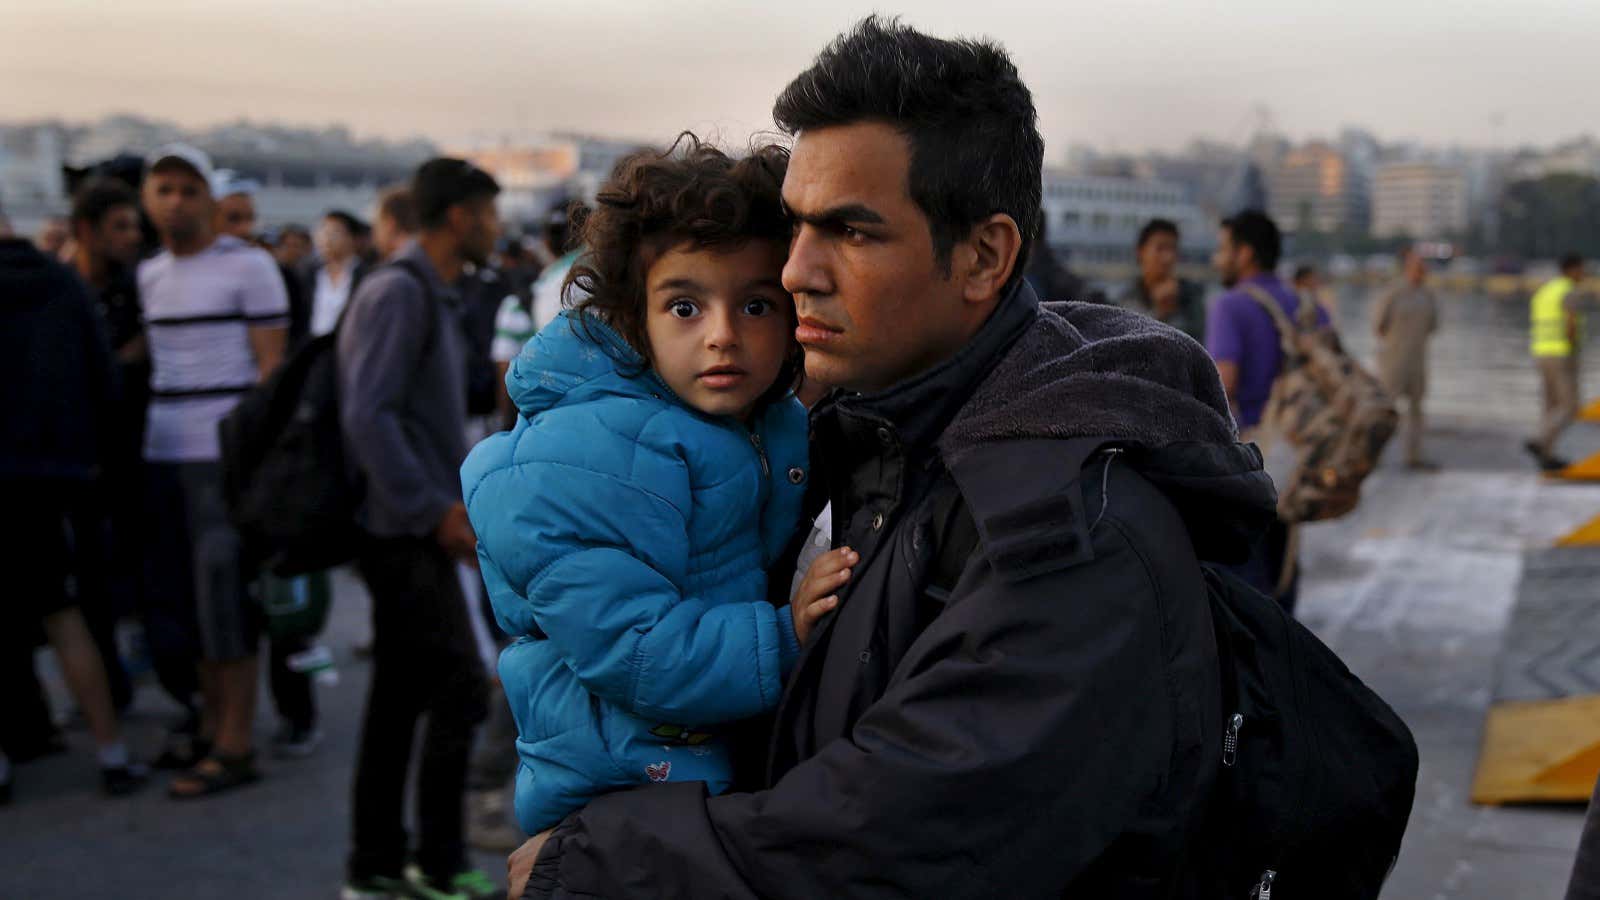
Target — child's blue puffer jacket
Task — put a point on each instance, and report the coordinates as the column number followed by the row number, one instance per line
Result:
column 624, row 538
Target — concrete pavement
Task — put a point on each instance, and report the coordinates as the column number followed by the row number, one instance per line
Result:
column 1414, row 590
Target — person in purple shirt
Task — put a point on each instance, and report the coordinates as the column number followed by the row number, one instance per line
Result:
column 1240, row 334
column 1241, row 337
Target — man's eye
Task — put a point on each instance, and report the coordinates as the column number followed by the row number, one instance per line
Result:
column 683, row 309
column 758, row 306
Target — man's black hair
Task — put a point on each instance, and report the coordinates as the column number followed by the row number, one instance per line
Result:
column 1155, row 227
column 1256, row 230
column 294, row 229
column 970, row 121
column 1570, row 261
column 97, row 197
column 351, row 223
column 1303, row 271
column 443, row 182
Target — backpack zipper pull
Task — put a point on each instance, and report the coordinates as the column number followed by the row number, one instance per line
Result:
column 1230, row 744
column 755, row 441
column 1263, row 888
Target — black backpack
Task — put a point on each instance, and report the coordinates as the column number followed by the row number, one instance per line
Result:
column 1318, row 773
column 284, row 477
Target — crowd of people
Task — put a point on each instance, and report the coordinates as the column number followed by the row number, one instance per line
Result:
column 130, row 346
column 881, row 577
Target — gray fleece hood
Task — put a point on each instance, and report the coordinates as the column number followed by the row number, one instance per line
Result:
column 1097, row 376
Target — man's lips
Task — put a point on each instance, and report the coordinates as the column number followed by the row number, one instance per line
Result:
column 812, row 332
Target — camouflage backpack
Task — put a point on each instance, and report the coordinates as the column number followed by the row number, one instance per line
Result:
column 1334, row 415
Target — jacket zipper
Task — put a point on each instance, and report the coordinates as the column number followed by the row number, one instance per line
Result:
column 1230, row 740
column 761, row 453
column 1263, row 888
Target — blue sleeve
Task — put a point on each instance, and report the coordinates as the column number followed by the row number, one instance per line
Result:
column 1224, row 334
column 592, row 560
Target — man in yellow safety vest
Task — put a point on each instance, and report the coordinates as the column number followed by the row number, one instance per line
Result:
column 1557, row 327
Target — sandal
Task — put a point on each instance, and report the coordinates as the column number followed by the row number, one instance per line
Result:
column 214, row 775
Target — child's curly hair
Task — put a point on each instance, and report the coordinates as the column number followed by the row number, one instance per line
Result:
column 654, row 201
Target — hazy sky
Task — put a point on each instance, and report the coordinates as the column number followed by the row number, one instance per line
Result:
column 1123, row 74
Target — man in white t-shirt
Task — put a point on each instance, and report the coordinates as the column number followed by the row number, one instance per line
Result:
column 217, row 315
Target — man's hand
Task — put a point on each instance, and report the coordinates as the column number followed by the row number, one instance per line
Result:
column 816, row 595
column 519, row 865
column 454, row 533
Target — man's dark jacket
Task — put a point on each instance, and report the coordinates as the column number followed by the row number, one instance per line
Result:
column 1046, row 721
column 57, row 368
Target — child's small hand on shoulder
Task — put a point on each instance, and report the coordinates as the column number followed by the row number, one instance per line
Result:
column 817, row 594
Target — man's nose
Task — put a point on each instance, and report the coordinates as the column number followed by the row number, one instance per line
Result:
column 806, row 271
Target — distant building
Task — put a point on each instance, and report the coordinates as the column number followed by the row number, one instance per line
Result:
column 31, row 184
column 1315, row 187
column 1097, row 218
column 535, row 175
column 1421, row 200
column 1220, row 185
column 1576, row 157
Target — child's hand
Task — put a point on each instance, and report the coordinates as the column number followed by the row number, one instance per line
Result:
column 818, row 590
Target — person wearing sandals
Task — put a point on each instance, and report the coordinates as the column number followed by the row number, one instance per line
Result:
column 217, row 317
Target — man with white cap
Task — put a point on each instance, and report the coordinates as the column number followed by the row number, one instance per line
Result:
column 216, row 314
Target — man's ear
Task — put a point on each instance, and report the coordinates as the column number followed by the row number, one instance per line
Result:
column 993, row 248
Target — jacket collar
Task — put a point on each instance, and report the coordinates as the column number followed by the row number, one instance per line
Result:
column 919, row 408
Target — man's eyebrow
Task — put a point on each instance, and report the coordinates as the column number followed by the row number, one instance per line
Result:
column 843, row 214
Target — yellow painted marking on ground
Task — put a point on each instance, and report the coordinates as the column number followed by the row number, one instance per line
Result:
column 1583, row 470
column 1586, row 535
column 1591, row 413
column 1543, row 751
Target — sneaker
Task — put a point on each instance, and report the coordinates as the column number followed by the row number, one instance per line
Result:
column 295, row 741
column 489, row 826
column 468, row 885
column 378, row 888
column 119, row 781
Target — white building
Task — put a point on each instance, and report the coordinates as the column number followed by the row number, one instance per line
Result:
column 1097, row 218
column 1421, row 200
column 537, row 174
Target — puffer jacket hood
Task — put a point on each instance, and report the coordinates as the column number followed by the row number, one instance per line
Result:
column 575, row 353
column 1098, row 376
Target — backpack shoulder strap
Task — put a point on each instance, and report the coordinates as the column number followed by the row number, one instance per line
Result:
column 429, row 300
column 1306, row 312
column 1287, row 333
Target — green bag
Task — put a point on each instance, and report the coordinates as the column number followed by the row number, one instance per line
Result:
column 296, row 606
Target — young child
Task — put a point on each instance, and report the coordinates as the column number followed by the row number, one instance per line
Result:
column 626, row 523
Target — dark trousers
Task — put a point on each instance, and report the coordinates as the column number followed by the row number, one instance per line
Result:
column 104, row 594
column 166, row 594
column 424, row 662
column 291, row 691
